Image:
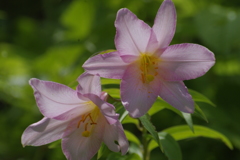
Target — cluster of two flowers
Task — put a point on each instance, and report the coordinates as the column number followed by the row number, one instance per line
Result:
column 148, row 68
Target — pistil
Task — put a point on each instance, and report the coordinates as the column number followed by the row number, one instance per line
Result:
column 148, row 67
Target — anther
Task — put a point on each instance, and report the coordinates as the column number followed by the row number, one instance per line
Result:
column 85, row 133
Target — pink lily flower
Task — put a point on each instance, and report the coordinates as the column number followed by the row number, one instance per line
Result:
column 147, row 65
column 81, row 118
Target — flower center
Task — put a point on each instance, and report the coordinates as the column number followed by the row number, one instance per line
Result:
column 148, row 67
column 88, row 121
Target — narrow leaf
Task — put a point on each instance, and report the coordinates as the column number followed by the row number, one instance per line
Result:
column 118, row 156
column 103, row 151
column 114, row 92
column 169, row 146
column 183, row 132
column 160, row 104
column 198, row 97
column 129, row 119
column 135, row 149
column 55, row 144
column 164, row 104
column 106, row 51
column 198, row 112
column 105, row 81
column 103, row 52
column 123, row 116
column 133, row 156
column 188, row 119
column 131, row 137
column 156, row 107
column 145, row 120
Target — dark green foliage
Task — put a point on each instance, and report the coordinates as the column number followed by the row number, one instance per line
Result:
column 50, row 40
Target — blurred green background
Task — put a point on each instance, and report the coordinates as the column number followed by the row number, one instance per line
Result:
column 50, row 40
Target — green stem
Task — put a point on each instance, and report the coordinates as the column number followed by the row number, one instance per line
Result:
column 145, row 143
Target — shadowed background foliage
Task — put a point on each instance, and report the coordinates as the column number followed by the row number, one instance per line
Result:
column 50, row 40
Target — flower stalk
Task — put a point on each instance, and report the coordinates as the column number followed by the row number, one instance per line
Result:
column 145, row 143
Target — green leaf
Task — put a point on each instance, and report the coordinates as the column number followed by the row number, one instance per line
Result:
column 198, row 97
column 188, row 119
column 135, row 149
column 107, row 51
column 118, row 156
column 103, row 52
column 145, row 120
column 129, row 119
column 169, row 146
column 133, row 156
column 198, row 112
column 55, row 144
column 160, row 104
column 105, row 81
column 183, row 132
column 156, row 107
column 103, row 151
column 115, row 156
column 114, row 92
column 131, row 137
column 123, row 116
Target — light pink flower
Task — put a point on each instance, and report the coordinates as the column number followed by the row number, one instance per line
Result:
column 81, row 118
column 147, row 65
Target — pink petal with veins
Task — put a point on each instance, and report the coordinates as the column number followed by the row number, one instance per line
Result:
column 185, row 61
column 108, row 65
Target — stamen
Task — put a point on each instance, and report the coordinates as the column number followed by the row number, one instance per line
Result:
column 84, row 118
column 91, row 118
column 86, row 126
column 81, row 120
column 90, row 121
column 148, row 68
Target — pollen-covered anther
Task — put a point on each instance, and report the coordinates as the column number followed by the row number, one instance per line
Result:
column 85, row 133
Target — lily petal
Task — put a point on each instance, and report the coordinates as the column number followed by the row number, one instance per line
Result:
column 75, row 112
column 43, row 132
column 132, row 33
column 107, row 109
column 165, row 23
column 137, row 97
column 176, row 94
column 77, row 147
column 153, row 46
column 54, row 99
column 129, row 58
column 114, row 133
column 89, row 84
column 108, row 65
column 185, row 61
